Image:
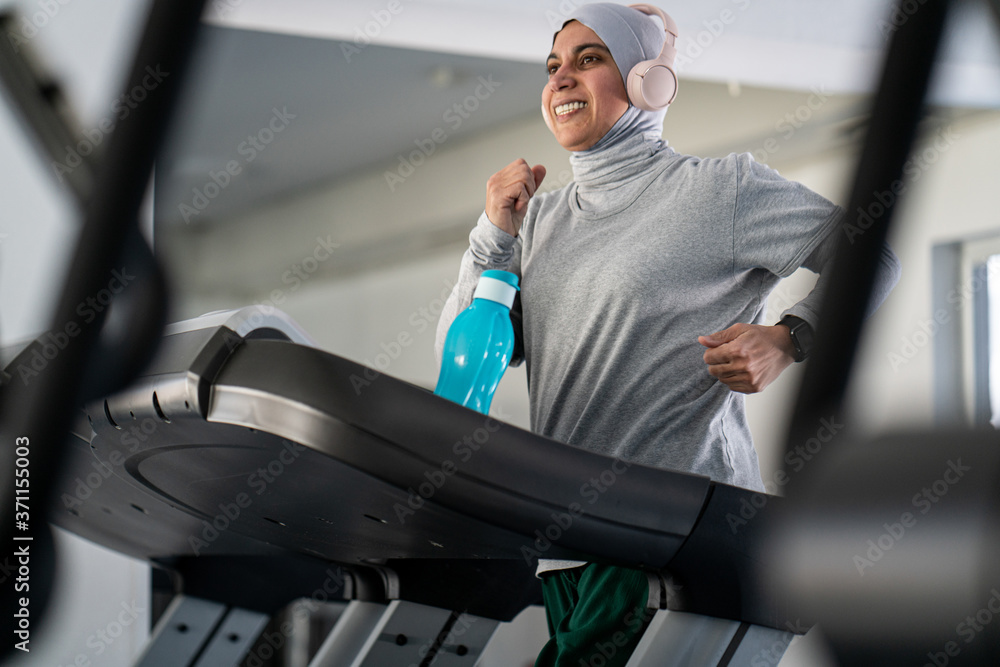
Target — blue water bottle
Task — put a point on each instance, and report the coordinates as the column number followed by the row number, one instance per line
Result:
column 479, row 343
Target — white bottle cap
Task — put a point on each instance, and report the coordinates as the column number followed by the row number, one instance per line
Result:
column 495, row 290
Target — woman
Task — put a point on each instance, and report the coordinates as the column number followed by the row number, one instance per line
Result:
column 624, row 273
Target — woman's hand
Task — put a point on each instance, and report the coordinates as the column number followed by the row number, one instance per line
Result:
column 508, row 192
column 748, row 357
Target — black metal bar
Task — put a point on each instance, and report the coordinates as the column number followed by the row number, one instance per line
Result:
column 897, row 111
column 995, row 6
column 41, row 409
column 47, row 117
column 439, row 641
column 734, row 645
column 42, row 109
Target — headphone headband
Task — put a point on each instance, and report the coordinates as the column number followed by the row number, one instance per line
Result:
column 668, row 23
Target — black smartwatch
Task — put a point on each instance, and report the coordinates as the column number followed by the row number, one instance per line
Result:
column 802, row 335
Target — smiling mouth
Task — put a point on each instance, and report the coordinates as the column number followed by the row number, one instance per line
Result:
column 564, row 109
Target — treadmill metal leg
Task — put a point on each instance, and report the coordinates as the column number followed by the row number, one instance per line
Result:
column 691, row 640
column 198, row 632
column 403, row 634
column 349, row 635
column 761, row 647
column 233, row 638
column 183, row 629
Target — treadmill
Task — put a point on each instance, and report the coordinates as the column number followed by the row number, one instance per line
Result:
column 256, row 470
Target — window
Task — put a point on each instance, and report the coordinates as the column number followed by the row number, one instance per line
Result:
column 966, row 331
column 991, row 353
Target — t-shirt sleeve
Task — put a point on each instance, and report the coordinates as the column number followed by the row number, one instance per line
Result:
column 489, row 248
column 777, row 223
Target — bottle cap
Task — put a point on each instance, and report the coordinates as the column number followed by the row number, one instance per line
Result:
column 499, row 286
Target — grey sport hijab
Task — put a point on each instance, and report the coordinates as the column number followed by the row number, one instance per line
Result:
column 631, row 37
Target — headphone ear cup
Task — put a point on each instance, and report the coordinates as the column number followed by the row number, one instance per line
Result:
column 652, row 85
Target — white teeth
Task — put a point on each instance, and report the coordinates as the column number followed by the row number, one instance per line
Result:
column 571, row 106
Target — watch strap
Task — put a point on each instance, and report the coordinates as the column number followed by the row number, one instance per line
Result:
column 802, row 335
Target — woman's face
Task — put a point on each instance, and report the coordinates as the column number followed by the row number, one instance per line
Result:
column 585, row 95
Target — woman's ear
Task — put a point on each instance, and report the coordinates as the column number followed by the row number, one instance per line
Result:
column 548, row 121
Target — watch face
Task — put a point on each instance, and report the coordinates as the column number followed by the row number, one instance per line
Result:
column 802, row 339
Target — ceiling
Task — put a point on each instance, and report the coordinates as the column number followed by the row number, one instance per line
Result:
column 364, row 86
column 777, row 43
column 344, row 114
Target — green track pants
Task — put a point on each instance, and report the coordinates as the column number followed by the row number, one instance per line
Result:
column 596, row 615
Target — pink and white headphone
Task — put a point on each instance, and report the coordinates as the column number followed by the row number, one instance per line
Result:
column 652, row 84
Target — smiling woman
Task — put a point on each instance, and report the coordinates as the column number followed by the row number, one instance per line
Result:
column 625, row 273
column 585, row 94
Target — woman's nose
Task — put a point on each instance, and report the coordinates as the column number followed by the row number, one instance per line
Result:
column 560, row 79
